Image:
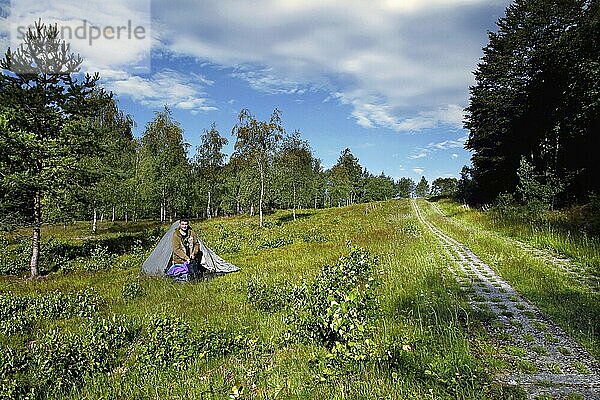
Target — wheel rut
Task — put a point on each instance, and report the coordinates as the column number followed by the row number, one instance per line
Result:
column 546, row 360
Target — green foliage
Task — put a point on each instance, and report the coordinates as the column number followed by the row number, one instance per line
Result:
column 164, row 169
column 208, row 168
column 166, row 343
column 12, row 258
column 405, row 187
column 99, row 259
column 18, row 314
column 169, row 342
column 444, row 187
column 411, row 228
column 59, row 360
column 378, row 188
column 90, row 254
column 272, row 297
column 132, row 290
column 532, row 97
column 14, row 317
column 537, row 191
column 46, row 124
column 345, row 180
column 422, row 188
column 339, row 308
column 257, row 141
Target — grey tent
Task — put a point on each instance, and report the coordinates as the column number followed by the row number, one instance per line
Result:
column 160, row 259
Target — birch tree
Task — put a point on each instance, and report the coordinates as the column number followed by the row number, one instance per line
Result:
column 257, row 140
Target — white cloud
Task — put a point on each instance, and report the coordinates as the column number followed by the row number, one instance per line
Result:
column 166, row 87
column 103, row 32
column 265, row 81
column 433, row 147
column 418, row 171
column 422, row 154
column 401, row 64
column 454, row 155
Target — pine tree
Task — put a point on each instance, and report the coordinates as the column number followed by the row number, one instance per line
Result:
column 45, row 122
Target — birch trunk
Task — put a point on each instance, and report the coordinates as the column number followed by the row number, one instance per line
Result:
column 294, row 185
column 208, row 213
column 36, row 234
column 262, row 194
column 95, row 220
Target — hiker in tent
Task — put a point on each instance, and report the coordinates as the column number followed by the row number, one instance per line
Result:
column 186, row 247
column 185, row 243
column 163, row 260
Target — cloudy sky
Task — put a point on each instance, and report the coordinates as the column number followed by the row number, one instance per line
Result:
column 388, row 79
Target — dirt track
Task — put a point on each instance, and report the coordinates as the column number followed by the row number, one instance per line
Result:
column 548, row 360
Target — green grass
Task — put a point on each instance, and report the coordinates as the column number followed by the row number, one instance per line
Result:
column 427, row 341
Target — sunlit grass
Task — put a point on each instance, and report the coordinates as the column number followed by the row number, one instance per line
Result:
column 444, row 352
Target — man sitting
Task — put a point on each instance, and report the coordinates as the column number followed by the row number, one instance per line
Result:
column 186, row 248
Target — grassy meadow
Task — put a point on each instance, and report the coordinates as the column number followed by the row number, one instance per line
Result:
column 384, row 320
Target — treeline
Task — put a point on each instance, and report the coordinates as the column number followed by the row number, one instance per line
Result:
column 534, row 112
column 68, row 153
column 160, row 176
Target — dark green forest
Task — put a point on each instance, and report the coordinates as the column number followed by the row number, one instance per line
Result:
column 533, row 117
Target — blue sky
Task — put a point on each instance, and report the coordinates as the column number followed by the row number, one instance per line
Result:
column 388, row 78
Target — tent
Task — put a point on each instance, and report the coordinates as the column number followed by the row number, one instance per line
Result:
column 160, row 259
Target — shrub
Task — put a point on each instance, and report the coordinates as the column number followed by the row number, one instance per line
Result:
column 58, row 361
column 13, row 366
column 18, row 314
column 275, row 242
column 132, row 290
column 339, row 308
column 167, row 342
column 59, row 305
column 267, row 296
column 13, row 257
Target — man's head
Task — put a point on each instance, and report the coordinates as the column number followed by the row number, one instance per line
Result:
column 184, row 224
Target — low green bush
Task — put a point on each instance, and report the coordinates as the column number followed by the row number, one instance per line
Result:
column 339, row 309
column 18, row 314
column 132, row 290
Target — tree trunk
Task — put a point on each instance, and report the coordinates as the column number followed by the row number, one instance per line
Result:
column 262, row 194
column 95, row 220
column 163, row 211
column 126, row 215
column 208, row 213
column 251, row 210
column 294, row 212
column 36, row 234
column 113, row 214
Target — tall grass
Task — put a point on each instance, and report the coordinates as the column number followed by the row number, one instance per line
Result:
column 427, row 342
